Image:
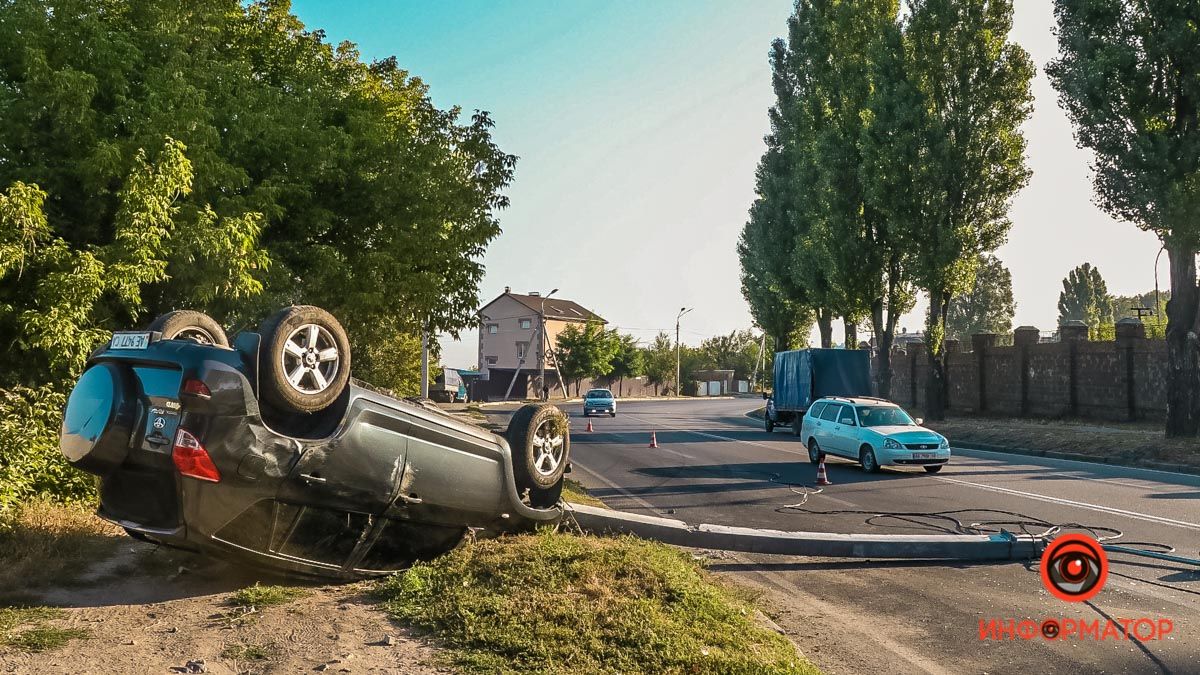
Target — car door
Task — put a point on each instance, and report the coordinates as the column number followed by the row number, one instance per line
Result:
column 830, row 432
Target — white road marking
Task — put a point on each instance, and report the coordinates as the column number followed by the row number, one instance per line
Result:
column 1070, row 502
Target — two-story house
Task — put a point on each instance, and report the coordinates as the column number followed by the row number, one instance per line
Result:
column 517, row 337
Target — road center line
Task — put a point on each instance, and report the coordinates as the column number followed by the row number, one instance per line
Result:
column 1070, row 502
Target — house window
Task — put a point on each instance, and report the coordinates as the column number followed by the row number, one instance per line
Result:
column 491, row 360
column 526, row 324
column 522, row 349
column 493, row 329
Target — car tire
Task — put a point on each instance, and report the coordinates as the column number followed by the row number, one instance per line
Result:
column 870, row 463
column 540, row 453
column 304, row 363
column 186, row 324
column 814, row 451
column 612, row 414
column 100, row 419
column 933, row 468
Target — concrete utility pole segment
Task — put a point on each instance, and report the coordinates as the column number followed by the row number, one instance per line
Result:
column 682, row 311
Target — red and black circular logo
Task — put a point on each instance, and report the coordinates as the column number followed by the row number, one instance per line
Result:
column 1074, row 567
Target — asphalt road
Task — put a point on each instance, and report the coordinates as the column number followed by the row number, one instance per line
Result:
column 714, row 465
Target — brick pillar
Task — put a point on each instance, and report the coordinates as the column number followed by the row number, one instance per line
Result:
column 981, row 343
column 1130, row 332
column 1073, row 332
column 1023, row 337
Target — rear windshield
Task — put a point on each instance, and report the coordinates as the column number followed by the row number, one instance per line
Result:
column 598, row 393
column 883, row 416
column 159, row 382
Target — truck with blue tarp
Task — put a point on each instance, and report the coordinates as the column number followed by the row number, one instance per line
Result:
column 805, row 375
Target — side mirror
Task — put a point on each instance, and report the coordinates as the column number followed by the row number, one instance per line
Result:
column 919, row 421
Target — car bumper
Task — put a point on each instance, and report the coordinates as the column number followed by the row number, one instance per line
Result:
column 598, row 409
column 912, row 458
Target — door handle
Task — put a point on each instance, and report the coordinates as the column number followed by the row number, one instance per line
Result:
column 311, row 478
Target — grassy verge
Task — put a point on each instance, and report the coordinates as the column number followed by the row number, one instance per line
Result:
column 1125, row 443
column 45, row 542
column 561, row 603
column 28, row 629
column 574, row 491
column 265, row 596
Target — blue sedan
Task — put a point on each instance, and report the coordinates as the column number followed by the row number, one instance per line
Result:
column 599, row 401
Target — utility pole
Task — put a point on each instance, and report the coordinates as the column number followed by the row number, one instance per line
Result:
column 542, row 345
column 682, row 311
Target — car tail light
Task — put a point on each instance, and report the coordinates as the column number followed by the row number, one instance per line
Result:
column 196, row 388
column 192, row 459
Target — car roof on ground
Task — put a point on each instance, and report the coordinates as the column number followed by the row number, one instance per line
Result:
column 859, row 400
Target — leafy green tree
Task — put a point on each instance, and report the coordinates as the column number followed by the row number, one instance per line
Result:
column 1156, row 302
column 988, row 307
column 658, row 361
column 737, row 351
column 627, row 360
column 371, row 201
column 1129, row 78
column 1085, row 298
column 585, row 352
column 950, row 154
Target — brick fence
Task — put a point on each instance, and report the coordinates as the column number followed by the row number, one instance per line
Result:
column 1123, row 379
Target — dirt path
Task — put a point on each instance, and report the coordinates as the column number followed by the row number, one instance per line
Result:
column 153, row 611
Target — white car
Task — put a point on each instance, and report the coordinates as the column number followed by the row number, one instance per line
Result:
column 873, row 432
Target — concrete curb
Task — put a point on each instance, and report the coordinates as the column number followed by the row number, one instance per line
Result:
column 1079, row 457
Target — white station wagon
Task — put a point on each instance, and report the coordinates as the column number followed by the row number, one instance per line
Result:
column 873, row 432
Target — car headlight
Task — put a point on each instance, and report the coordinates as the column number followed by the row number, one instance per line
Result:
column 945, row 444
column 892, row 444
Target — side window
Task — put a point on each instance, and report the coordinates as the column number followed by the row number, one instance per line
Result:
column 493, row 329
column 526, row 324
column 816, row 409
column 847, row 415
column 522, row 349
column 831, row 412
column 491, row 360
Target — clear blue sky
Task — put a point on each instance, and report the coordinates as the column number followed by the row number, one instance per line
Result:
column 638, row 126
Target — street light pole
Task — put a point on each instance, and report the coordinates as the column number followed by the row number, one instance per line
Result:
column 682, row 311
column 542, row 344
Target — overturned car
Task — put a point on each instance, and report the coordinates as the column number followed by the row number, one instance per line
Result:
column 268, row 451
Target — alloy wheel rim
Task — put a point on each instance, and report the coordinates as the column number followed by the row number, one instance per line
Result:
column 548, row 450
column 310, row 359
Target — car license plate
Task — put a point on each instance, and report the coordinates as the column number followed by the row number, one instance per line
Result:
column 924, row 455
column 129, row 341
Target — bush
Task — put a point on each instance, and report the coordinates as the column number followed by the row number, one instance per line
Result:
column 30, row 462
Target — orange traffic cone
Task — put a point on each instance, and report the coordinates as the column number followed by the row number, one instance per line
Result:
column 822, row 477
column 589, row 425
column 653, row 440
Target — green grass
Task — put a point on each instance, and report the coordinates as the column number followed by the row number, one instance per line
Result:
column 562, row 603
column 574, row 491
column 46, row 543
column 37, row 635
column 247, row 652
column 265, row 596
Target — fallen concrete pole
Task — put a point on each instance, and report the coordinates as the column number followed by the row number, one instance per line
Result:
column 1001, row 546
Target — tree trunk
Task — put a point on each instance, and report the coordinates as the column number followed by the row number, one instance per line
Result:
column 1183, row 346
column 851, row 334
column 884, row 330
column 825, row 325
column 935, row 388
